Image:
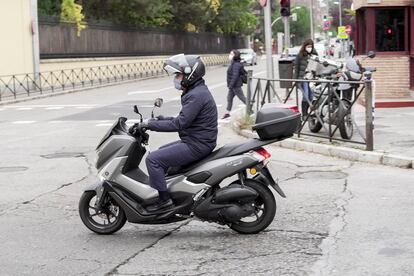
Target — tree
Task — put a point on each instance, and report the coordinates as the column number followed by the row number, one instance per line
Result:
column 193, row 15
column 135, row 13
column 71, row 12
column 235, row 17
column 49, row 7
column 300, row 29
column 347, row 18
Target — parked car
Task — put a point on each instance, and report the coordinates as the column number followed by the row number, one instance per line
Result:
column 248, row 56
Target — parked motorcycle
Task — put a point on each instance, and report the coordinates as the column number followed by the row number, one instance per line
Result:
column 247, row 205
column 328, row 107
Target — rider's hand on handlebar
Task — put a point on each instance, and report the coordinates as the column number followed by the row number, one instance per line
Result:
column 138, row 127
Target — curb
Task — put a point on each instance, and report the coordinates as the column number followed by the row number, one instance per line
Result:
column 350, row 154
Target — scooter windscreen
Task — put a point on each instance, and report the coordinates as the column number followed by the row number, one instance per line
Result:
column 119, row 127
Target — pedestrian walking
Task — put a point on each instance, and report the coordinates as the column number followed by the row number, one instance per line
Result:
column 234, row 81
column 301, row 63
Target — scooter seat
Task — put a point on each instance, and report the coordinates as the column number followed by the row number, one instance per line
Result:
column 225, row 151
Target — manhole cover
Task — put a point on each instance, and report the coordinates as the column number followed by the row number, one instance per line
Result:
column 321, row 175
column 62, row 155
column 409, row 143
column 12, row 169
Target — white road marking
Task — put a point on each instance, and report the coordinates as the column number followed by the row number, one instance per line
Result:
column 54, row 107
column 106, row 124
column 84, row 107
column 49, row 105
column 150, row 91
column 23, row 122
column 214, row 86
column 55, row 122
column 219, row 105
column 25, row 108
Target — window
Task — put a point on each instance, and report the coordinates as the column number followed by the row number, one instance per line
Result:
column 390, row 30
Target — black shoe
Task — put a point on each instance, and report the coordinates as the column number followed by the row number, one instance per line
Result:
column 227, row 115
column 160, row 206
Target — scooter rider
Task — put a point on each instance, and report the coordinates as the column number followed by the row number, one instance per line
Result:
column 196, row 125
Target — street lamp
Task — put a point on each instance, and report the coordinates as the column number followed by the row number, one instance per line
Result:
column 340, row 11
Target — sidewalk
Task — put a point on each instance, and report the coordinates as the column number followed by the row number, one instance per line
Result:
column 393, row 139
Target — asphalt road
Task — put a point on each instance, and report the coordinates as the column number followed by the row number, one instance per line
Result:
column 340, row 218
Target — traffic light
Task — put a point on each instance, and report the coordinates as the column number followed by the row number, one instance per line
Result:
column 285, row 7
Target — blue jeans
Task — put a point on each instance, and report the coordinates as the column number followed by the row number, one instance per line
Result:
column 307, row 93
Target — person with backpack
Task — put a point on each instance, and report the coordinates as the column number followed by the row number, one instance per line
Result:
column 236, row 76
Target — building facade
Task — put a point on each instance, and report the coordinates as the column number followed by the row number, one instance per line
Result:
column 387, row 27
column 17, row 31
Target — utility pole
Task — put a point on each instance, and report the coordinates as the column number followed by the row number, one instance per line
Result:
column 311, row 21
column 268, row 37
column 287, row 31
column 35, row 37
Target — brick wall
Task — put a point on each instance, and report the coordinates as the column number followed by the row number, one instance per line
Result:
column 392, row 78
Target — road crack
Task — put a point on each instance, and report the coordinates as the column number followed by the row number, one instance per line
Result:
column 114, row 271
column 30, row 201
column 323, row 266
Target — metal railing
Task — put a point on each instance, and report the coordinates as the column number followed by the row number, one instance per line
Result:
column 265, row 92
column 24, row 85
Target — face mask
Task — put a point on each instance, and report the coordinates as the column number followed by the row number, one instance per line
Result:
column 231, row 57
column 177, row 84
column 309, row 50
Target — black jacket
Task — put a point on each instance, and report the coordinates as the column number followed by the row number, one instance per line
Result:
column 197, row 122
column 301, row 63
column 234, row 72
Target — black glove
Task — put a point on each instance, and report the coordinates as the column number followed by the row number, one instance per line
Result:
column 138, row 127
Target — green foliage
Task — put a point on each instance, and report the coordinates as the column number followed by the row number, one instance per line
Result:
column 132, row 13
column 191, row 15
column 72, row 13
column 235, row 16
column 223, row 16
column 300, row 28
column 49, row 7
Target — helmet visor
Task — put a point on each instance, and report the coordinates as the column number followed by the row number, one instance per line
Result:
column 176, row 64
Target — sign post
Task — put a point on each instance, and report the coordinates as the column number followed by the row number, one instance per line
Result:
column 268, row 37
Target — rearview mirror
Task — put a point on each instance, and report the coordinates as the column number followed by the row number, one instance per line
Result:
column 371, row 54
column 136, row 109
column 158, row 102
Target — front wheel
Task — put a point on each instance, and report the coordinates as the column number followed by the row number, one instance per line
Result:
column 265, row 210
column 346, row 127
column 314, row 125
column 106, row 220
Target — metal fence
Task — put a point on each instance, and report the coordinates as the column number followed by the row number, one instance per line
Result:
column 265, row 91
column 24, row 85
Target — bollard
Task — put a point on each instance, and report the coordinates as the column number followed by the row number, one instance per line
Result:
column 369, row 116
column 249, row 92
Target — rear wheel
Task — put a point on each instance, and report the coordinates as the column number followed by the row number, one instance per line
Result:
column 107, row 220
column 265, row 210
